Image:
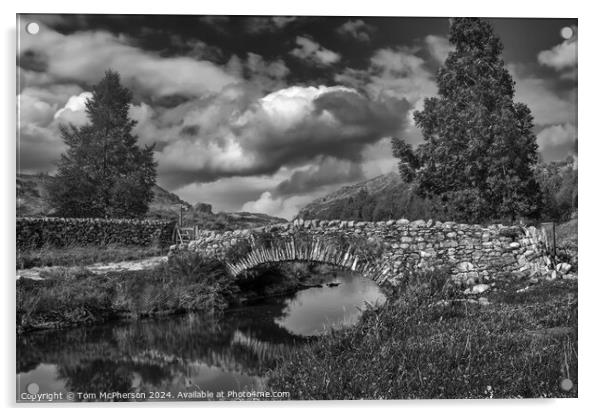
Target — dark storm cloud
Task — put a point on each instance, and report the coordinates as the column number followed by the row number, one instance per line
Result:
column 266, row 24
column 215, row 21
column 35, row 61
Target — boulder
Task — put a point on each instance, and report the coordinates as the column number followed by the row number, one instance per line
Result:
column 477, row 289
column 563, row 267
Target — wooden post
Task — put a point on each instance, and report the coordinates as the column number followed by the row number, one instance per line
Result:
column 554, row 240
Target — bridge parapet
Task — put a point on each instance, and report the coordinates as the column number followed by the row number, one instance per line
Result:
column 381, row 250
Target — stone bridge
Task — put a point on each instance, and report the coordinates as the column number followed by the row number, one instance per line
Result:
column 382, row 251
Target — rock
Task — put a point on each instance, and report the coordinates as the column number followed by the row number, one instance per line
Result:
column 563, row 267
column 403, row 221
column 484, row 301
column 417, row 223
column 552, row 275
column 476, row 289
column 465, row 267
column 514, row 245
column 570, row 276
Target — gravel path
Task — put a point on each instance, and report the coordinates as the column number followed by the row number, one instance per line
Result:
column 98, row 268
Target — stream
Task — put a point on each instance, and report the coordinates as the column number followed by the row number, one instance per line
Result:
column 185, row 357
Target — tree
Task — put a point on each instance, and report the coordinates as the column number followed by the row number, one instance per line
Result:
column 104, row 173
column 479, row 149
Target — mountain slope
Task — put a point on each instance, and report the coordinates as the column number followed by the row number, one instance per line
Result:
column 32, row 193
column 389, row 197
column 31, row 197
column 381, row 198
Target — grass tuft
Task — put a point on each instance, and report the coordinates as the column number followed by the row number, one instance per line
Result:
column 427, row 342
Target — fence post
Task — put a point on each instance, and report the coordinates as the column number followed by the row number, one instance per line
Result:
column 554, row 239
column 550, row 242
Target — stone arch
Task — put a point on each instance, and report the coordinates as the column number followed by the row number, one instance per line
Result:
column 470, row 252
column 317, row 249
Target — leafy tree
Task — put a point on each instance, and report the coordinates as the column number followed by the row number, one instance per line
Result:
column 479, row 150
column 558, row 183
column 104, row 173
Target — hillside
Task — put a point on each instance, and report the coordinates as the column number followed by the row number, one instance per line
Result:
column 31, row 201
column 389, row 197
column 31, row 198
column 381, row 198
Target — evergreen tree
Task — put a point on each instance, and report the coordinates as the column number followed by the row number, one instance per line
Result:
column 479, row 149
column 104, row 173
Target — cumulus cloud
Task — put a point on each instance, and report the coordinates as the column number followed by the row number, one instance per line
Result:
column 278, row 206
column 395, row 74
column 74, row 111
column 560, row 57
column 557, row 135
column 40, row 116
column 439, row 47
column 33, row 110
column 229, row 194
column 314, row 52
column 357, row 29
column 547, row 105
column 239, row 136
column 38, row 148
column 327, row 171
column 68, row 57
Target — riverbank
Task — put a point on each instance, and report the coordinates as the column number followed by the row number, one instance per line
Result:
column 39, row 273
column 432, row 341
column 66, row 297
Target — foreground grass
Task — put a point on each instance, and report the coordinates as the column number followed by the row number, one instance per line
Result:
column 76, row 297
column 82, row 255
column 426, row 343
column 566, row 241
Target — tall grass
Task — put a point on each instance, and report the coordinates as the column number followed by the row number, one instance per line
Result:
column 68, row 297
column 426, row 342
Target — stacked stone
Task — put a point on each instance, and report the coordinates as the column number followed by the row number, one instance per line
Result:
column 473, row 253
column 33, row 232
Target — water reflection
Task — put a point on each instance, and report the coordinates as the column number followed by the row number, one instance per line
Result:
column 316, row 310
column 189, row 353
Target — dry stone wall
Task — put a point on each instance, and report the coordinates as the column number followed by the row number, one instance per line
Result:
column 473, row 253
column 34, row 232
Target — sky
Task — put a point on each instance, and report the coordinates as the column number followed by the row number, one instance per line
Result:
column 267, row 113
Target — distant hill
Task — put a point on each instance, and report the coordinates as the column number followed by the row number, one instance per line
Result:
column 381, row 198
column 389, row 197
column 32, row 193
